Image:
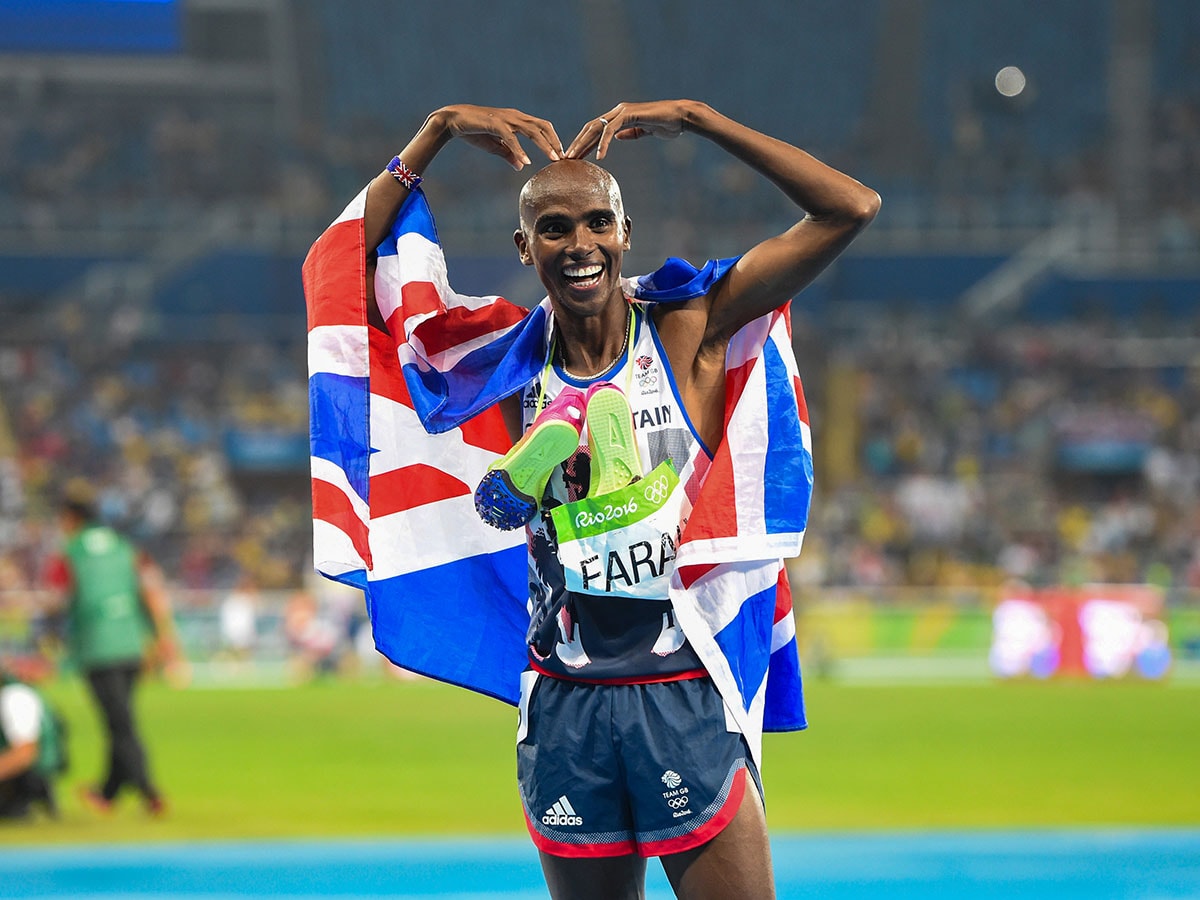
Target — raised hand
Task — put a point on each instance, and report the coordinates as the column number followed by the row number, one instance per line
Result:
column 496, row 131
column 628, row 122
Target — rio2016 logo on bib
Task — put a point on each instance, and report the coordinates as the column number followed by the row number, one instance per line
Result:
column 622, row 544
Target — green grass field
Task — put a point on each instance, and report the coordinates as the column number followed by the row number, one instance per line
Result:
column 416, row 758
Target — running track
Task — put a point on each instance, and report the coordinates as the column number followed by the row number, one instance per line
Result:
column 1146, row 864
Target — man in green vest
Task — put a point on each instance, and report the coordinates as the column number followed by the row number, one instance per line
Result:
column 115, row 603
column 32, row 753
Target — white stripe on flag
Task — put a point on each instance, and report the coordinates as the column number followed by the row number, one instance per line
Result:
column 354, row 209
column 434, row 534
column 333, row 551
column 783, row 632
column 746, row 430
column 422, row 261
column 446, row 451
column 738, row 549
column 339, row 350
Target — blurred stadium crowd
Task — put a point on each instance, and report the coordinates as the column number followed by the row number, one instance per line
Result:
column 154, row 343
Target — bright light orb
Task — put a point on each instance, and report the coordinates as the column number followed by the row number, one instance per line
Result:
column 1010, row 81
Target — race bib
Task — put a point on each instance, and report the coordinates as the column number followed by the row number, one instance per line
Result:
column 622, row 544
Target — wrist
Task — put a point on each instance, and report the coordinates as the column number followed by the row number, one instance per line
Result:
column 437, row 127
column 696, row 115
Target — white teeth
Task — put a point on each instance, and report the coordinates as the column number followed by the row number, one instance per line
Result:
column 582, row 271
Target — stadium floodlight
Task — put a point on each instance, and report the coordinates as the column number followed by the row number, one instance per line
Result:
column 1010, row 81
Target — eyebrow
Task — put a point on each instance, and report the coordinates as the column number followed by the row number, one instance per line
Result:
column 556, row 216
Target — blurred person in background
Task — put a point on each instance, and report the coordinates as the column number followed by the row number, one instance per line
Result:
column 32, row 748
column 660, row 709
column 238, row 617
column 115, row 601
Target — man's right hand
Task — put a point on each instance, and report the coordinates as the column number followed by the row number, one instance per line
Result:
column 495, row 130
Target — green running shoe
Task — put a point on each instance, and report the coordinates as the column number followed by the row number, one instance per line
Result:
column 615, row 459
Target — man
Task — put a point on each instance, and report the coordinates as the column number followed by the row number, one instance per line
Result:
column 625, row 743
column 31, row 751
column 115, row 601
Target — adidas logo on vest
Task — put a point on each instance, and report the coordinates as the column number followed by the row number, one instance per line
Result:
column 561, row 813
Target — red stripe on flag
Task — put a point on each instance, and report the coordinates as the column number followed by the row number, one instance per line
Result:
column 488, row 431
column 417, row 298
column 412, row 486
column 715, row 513
column 783, row 596
column 801, row 403
column 689, row 575
column 331, row 505
column 334, row 263
column 387, row 376
column 735, row 384
column 461, row 324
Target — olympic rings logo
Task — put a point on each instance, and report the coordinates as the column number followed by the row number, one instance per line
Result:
column 677, row 802
column 657, row 491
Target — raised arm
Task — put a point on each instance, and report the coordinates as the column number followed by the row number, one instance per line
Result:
column 835, row 206
column 495, row 130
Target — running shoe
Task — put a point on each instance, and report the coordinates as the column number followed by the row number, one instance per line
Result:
column 509, row 494
column 615, row 459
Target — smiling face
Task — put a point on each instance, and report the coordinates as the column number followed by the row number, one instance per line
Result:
column 574, row 232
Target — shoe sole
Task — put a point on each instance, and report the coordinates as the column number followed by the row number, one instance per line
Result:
column 509, row 494
column 615, row 459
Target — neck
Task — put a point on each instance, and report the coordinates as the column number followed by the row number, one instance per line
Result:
column 590, row 347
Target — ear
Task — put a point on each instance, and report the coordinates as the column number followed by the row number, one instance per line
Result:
column 628, row 229
column 522, row 247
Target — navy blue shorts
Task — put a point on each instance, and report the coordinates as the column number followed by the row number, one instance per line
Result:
column 610, row 770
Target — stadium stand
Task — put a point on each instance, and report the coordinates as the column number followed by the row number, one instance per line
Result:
column 1002, row 375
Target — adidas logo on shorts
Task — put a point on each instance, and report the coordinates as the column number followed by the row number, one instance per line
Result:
column 561, row 813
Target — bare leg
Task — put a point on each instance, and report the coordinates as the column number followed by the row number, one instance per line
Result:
column 607, row 878
column 735, row 865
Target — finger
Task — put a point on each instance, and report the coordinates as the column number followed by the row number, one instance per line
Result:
column 614, row 121
column 589, row 137
column 516, row 155
column 631, row 133
column 585, row 142
column 518, row 152
column 544, row 137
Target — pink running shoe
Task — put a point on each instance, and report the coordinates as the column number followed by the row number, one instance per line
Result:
column 509, row 494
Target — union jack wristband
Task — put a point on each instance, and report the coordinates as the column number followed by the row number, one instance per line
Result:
column 403, row 173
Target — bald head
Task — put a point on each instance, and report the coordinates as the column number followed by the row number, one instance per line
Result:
column 568, row 177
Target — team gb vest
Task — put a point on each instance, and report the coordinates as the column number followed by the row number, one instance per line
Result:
column 612, row 632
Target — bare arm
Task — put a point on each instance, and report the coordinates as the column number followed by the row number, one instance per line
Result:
column 835, row 206
column 491, row 129
column 157, row 602
column 834, row 209
column 17, row 759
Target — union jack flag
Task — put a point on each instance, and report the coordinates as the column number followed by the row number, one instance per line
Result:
column 403, row 425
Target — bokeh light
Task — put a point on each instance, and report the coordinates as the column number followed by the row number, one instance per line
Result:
column 1010, row 81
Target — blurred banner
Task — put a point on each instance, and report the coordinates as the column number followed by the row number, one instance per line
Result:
column 96, row 26
column 1097, row 630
